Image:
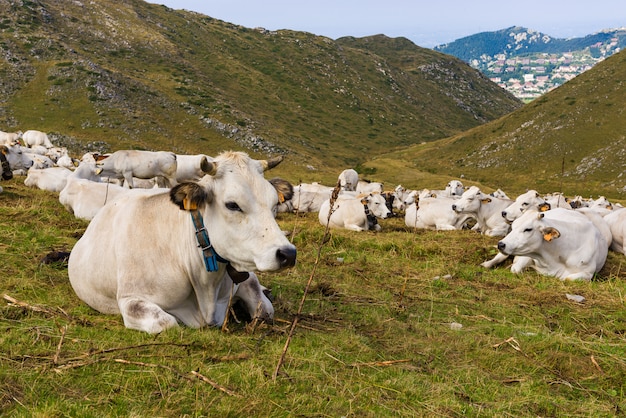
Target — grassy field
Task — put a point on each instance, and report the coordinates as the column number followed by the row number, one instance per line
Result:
column 397, row 323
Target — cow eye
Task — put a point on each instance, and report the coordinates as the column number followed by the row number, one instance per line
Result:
column 233, row 206
column 528, row 230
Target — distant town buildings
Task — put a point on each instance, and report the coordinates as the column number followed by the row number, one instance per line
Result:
column 532, row 75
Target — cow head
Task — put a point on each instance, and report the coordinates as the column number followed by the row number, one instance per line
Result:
column 531, row 200
column 528, row 233
column 470, row 201
column 238, row 206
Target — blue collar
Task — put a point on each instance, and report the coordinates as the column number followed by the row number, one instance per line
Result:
column 211, row 258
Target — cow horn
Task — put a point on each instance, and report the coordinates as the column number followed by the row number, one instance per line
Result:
column 272, row 162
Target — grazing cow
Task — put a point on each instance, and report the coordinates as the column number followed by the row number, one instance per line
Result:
column 349, row 179
column 358, row 213
column 560, row 242
column 126, row 164
column 32, row 138
column 52, row 179
column 10, row 138
column 486, row 209
column 617, row 223
column 175, row 257
column 435, row 213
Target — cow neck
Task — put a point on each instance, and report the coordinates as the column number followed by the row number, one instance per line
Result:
column 371, row 219
column 211, row 257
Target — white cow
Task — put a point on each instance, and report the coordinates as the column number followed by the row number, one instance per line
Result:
column 435, row 213
column 84, row 194
column 192, row 167
column 529, row 201
column 18, row 160
column 10, row 138
column 560, row 242
column 617, row 223
column 126, row 164
column 364, row 186
column 454, row 188
column 52, row 179
column 349, row 179
column 307, row 197
column 486, row 209
column 33, row 137
column 150, row 267
column 357, row 213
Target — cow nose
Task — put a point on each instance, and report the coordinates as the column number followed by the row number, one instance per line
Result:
column 454, row 208
column 286, row 256
column 501, row 246
column 504, row 213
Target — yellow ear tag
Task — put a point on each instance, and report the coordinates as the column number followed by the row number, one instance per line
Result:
column 281, row 197
column 364, row 201
column 188, row 204
column 487, row 200
column 547, row 237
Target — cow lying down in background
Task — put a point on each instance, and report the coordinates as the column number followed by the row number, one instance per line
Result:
column 560, row 242
column 157, row 267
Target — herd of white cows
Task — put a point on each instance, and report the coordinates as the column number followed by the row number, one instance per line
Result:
column 170, row 236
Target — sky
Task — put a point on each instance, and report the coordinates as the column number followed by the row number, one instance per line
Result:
column 425, row 22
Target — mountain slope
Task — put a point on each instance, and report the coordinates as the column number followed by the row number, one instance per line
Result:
column 131, row 74
column 572, row 139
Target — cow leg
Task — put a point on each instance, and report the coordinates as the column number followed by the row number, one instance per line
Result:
column 143, row 315
column 128, row 180
column 520, row 263
column 499, row 258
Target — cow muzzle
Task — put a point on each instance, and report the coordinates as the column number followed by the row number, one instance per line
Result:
column 286, row 256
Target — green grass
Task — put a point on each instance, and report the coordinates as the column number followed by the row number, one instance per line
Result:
column 374, row 339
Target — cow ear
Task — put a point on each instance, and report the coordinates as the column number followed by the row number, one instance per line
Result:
column 487, row 200
column 550, row 233
column 283, row 188
column 271, row 163
column 189, row 196
column 545, row 206
column 4, row 149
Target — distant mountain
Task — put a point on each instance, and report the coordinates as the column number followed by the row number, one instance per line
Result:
column 517, row 40
column 529, row 63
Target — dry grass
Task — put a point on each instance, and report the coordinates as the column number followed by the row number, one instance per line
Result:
column 398, row 323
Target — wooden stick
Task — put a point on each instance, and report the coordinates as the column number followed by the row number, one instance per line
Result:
column 214, row 384
column 55, row 359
